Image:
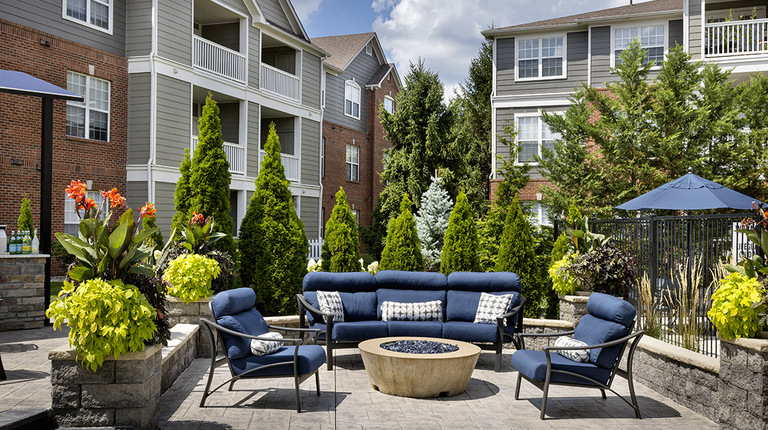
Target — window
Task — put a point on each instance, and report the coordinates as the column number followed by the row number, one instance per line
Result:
column 352, row 99
column 541, row 58
column 71, row 220
column 533, row 134
column 369, row 49
column 90, row 118
column 322, row 158
column 540, row 215
column 389, row 104
column 651, row 37
column 353, row 163
column 356, row 214
column 384, row 162
column 93, row 13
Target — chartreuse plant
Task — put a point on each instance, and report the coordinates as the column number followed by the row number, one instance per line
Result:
column 562, row 281
column 25, row 217
column 732, row 311
column 105, row 319
column 190, row 276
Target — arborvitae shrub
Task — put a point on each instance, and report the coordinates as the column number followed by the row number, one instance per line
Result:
column 273, row 245
column 25, row 217
column 341, row 249
column 402, row 251
column 182, row 195
column 460, row 250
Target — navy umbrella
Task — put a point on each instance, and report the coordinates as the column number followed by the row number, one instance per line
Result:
column 690, row 192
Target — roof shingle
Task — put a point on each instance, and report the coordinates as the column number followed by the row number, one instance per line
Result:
column 342, row 48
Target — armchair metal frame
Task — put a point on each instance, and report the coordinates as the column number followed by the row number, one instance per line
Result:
column 544, row 385
column 216, row 361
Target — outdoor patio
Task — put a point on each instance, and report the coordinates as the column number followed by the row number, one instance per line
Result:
column 348, row 401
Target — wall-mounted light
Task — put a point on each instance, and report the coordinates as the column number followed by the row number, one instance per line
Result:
column 45, row 43
column 88, row 184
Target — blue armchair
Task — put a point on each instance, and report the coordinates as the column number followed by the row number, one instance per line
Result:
column 237, row 322
column 606, row 330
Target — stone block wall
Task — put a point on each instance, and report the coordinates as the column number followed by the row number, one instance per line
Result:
column 22, row 291
column 572, row 308
column 743, row 389
column 539, row 326
column 179, row 353
column 190, row 313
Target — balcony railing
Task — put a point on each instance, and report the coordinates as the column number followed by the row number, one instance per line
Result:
column 279, row 82
column 290, row 164
column 218, row 59
column 235, row 155
column 736, row 38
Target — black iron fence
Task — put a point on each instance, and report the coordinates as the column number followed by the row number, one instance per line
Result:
column 680, row 258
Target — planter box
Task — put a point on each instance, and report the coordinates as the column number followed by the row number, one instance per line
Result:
column 572, row 308
column 743, row 386
column 22, row 291
column 179, row 312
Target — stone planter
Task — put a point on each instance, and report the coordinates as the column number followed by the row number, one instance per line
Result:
column 179, row 312
column 572, row 308
column 122, row 392
column 22, row 291
column 743, row 387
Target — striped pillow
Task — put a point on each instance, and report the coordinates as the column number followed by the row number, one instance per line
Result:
column 578, row 355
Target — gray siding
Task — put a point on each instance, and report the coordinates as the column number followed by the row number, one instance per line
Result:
column 237, row 5
column 227, row 35
column 601, row 56
column 254, row 57
column 164, row 205
column 274, row 13
column 136, row 195
column 252, row 166
column 139, row 97
column 310, row 152
column 361, row 68
column 173, row 120
column 309, row 214
column 310, row 80
column 675, row 33
column 138, row 39
column 576, row 72
column 695, row 32
column 46, row 15
column 174, row 37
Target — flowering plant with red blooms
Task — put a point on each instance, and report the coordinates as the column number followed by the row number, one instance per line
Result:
column 148, row 210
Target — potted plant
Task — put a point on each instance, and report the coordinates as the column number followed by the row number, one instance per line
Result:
column 189, row 277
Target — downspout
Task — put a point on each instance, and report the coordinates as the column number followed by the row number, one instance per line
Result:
column 152, row 107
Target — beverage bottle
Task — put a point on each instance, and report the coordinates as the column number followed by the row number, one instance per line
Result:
column 35, row 244
column 26, row 243
column 14, row 240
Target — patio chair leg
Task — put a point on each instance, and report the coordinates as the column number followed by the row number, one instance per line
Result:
column 517, row 388
column 298, row 395
column 329, row 351
column 498, row 361
column 544, row 399
column 317, row 381
column 603, row 393
column 632, row 394
column 231, row 384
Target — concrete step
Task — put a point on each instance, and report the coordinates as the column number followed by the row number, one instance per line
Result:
column 26, row 419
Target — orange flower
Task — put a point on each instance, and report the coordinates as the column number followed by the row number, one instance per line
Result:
column 76, row 190
column 197, row 219
column 148, row 210
column 87, row 204
column 115, row 199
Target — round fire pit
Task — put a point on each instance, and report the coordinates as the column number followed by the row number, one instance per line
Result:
column 418, row 374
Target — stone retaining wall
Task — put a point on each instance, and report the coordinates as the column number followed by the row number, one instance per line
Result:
column 190, row 313
column 572, row 308
column 22, row 291
column 539, row 326
column 179, row 353
column 743, row 388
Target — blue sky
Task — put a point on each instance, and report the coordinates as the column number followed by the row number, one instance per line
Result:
column 446, row 34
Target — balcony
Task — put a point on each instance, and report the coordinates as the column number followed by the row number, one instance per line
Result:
column 279, row 82
column 736, row 38
column 235, row 155
column 290, row 164
column 218, row 59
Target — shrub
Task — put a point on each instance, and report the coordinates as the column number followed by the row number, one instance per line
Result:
column 182, row 194
column 562, row 282
column 732, row 311
column 189, row 277
column 461, row 242
column 105, row 318
column 432, row 222
column 341, row 249
column 605, row 269
column 402, row 251
column 25, row 217
column 562, row 247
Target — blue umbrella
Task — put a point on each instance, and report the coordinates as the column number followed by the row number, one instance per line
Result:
column 690, row 192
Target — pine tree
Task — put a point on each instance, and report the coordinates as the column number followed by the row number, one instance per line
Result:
column 209, row 179
column 460, row 251
column 341, row 249
column 402, row 251
column 181, row 195
column 273, row 245
column 25, row 217
column 432, row 221
column 517, row 255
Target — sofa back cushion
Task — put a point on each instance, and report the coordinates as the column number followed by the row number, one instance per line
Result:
column 357, row 306
column 484, row 282
column 407, row 296
column 401, row 280
column 462, row 305
column 351, row 282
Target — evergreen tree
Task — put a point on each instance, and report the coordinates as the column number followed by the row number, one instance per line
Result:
column 751, row 168
column 182, row 195
column 273, row 245
column 431, row 223
column 402, row 251
column 516, row 254
column 341, row 249
column 25, row 217
column 209, row 179
column 460, row 251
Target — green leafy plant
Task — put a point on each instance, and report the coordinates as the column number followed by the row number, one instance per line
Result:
column 732, row 311
column 341, row 249
column 605, row 269
column 25, row 217
column 403, row 250
column 577, row 229
column 105, row 319
column 559, row 272
column 461, row 241
column 189, row 277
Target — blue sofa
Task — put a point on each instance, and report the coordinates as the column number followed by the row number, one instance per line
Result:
column 362, row 296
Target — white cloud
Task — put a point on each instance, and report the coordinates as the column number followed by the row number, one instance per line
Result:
column 447, row 34
column 306, row 8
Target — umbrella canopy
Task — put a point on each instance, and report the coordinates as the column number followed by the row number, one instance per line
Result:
column 690, row 192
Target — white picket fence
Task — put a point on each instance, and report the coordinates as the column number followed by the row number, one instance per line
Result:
column 314, row 249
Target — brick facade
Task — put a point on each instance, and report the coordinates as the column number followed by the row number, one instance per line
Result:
column 73, row 158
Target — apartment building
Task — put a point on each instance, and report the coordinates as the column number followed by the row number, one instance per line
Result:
column 537, row 65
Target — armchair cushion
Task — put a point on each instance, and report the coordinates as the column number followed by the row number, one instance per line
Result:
column 491, row 306
column 248, row 322
column 611, row 308
column 310, row 358
column 330, row 303
column 233, row 302
column 593, row 331
column 263, row 347
column 533, row 364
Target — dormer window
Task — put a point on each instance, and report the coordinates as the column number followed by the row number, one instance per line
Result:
column 369, row 49
column 352, row 99
column 540, row 58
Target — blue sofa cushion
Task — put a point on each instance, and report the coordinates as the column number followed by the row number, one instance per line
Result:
column 352, row 282
column 407, row 296
column 401, row 280
column 462, row 305
column 470, row 332
column 484, row 282
column 594, row 331
column 359, row 306
column 310, row 358
column 247, row 322
column 233, row 301
column 533, row 364
column 312, row 318
column 358, row 330
column 611, row 308
column 415, row 328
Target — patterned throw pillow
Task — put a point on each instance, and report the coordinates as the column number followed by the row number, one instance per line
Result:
column 491, row 306
column 578, row 355
column 264, row 347
column 424, row 311
column 330, row 303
